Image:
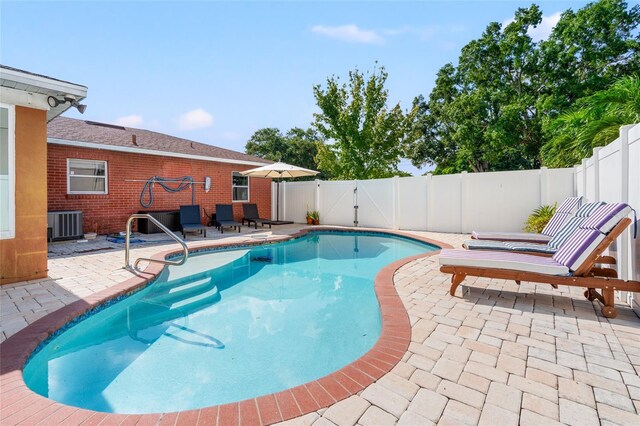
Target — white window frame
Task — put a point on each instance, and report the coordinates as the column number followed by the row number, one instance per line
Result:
column 248, row 186
column 106, row 177
column 11, row 232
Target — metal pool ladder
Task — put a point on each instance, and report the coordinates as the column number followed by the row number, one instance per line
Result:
column 127, row 264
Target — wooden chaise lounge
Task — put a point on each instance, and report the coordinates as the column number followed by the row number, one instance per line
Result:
column 574, row 264
column 546, row 249
column 541, row 249
column 563, row 213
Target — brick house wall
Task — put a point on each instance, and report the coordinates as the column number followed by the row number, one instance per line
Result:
column 108, row 213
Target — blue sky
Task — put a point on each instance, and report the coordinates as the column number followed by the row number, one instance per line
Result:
column 215, row 72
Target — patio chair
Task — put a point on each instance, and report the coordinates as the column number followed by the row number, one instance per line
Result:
column 224, row 216
column 190, row 220
column 572, row 265
column 251, row 215
column 566, row 230
column 563, row 213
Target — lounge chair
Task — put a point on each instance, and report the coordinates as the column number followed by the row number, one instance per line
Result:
column 573, row 264
column 190, row 220
column 224, row 216
column 566, row 230
column 251, row 215
column 563, row 213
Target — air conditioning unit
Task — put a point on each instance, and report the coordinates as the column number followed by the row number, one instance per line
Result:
column 65, row 225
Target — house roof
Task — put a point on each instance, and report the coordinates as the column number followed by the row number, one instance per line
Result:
column 8, row 68
column 39, row 87
column 90, row 134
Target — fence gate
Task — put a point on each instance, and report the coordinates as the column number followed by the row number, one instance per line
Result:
column 376, row 203
column 336, row 202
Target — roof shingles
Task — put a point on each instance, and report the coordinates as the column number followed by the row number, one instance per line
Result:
column 71, row 129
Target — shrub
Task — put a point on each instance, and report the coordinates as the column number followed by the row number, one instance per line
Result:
column 539, row 218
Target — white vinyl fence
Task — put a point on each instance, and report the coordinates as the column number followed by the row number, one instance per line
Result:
column 464, row 202
column 612, row 174
column 449, row 203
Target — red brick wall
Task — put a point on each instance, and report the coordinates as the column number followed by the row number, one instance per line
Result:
column 108, row 213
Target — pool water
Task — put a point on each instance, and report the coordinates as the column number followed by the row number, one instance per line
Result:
column 226, row 326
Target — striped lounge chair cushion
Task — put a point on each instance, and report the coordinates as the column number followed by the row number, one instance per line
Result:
column 511, row 236
column 587, row 209
column 556, row 223
column 570, row 205
column 502, row 260
column 606, row 217
column 530, row 247
column 508, row 246
column 485, row 245
column 572, row 224
column 577, row 248
column 563, row 213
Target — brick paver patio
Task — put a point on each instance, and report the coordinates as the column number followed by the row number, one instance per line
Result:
column 497, row 354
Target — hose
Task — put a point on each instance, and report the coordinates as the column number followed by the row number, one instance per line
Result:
column 183, row 184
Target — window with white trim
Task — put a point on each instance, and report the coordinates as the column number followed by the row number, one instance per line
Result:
column 240, row 187
column 86, row 176
column 7, row 172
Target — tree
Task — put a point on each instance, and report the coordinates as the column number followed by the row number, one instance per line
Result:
column 298, row 147
column 494, row 110
column 268, row 143
column 594, row 121
column 586, row 52
column 479, row 115
column 366, row 139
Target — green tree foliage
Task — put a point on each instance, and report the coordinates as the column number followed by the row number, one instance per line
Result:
column 494, row 110
column 593, row 121
column 366, row 138
column 298, row 147
column 586, row 52
column 268, row 143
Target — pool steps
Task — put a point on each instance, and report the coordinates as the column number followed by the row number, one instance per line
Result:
column 199, row 299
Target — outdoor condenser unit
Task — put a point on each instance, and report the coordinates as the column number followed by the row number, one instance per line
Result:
column 65, row 225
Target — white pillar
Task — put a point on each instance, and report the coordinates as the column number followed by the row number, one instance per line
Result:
column 463, row 202
column 584, row 178
column 429, row 195
column 317, row 196
column 625, row 242
column 396, row 201
column 274, row 198
column 596, row 173
column 544, row 186
column 284, row 200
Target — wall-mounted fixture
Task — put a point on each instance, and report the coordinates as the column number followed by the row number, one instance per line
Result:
column 54, row 102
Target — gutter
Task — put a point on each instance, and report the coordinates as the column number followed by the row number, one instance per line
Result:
column 116, row 148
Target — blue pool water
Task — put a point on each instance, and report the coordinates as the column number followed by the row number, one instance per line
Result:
column 226, row 326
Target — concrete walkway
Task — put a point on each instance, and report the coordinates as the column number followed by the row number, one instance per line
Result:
column 497, row 353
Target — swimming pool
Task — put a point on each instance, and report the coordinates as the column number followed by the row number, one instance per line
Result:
column 227, row 326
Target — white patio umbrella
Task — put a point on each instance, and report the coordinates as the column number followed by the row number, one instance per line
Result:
column 278, row 171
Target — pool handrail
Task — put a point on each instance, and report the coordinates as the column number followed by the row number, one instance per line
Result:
column 127, row 264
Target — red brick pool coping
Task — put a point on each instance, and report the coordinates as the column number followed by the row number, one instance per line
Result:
column 20, row 405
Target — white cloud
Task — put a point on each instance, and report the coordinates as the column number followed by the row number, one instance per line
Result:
column 424, row 33
column 196, row 119
column 543, row 30
column 132, row 120
column 351, row 33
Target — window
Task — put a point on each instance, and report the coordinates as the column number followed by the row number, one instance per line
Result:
column 86, row 177
column 7, row 173
column 240, row 187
